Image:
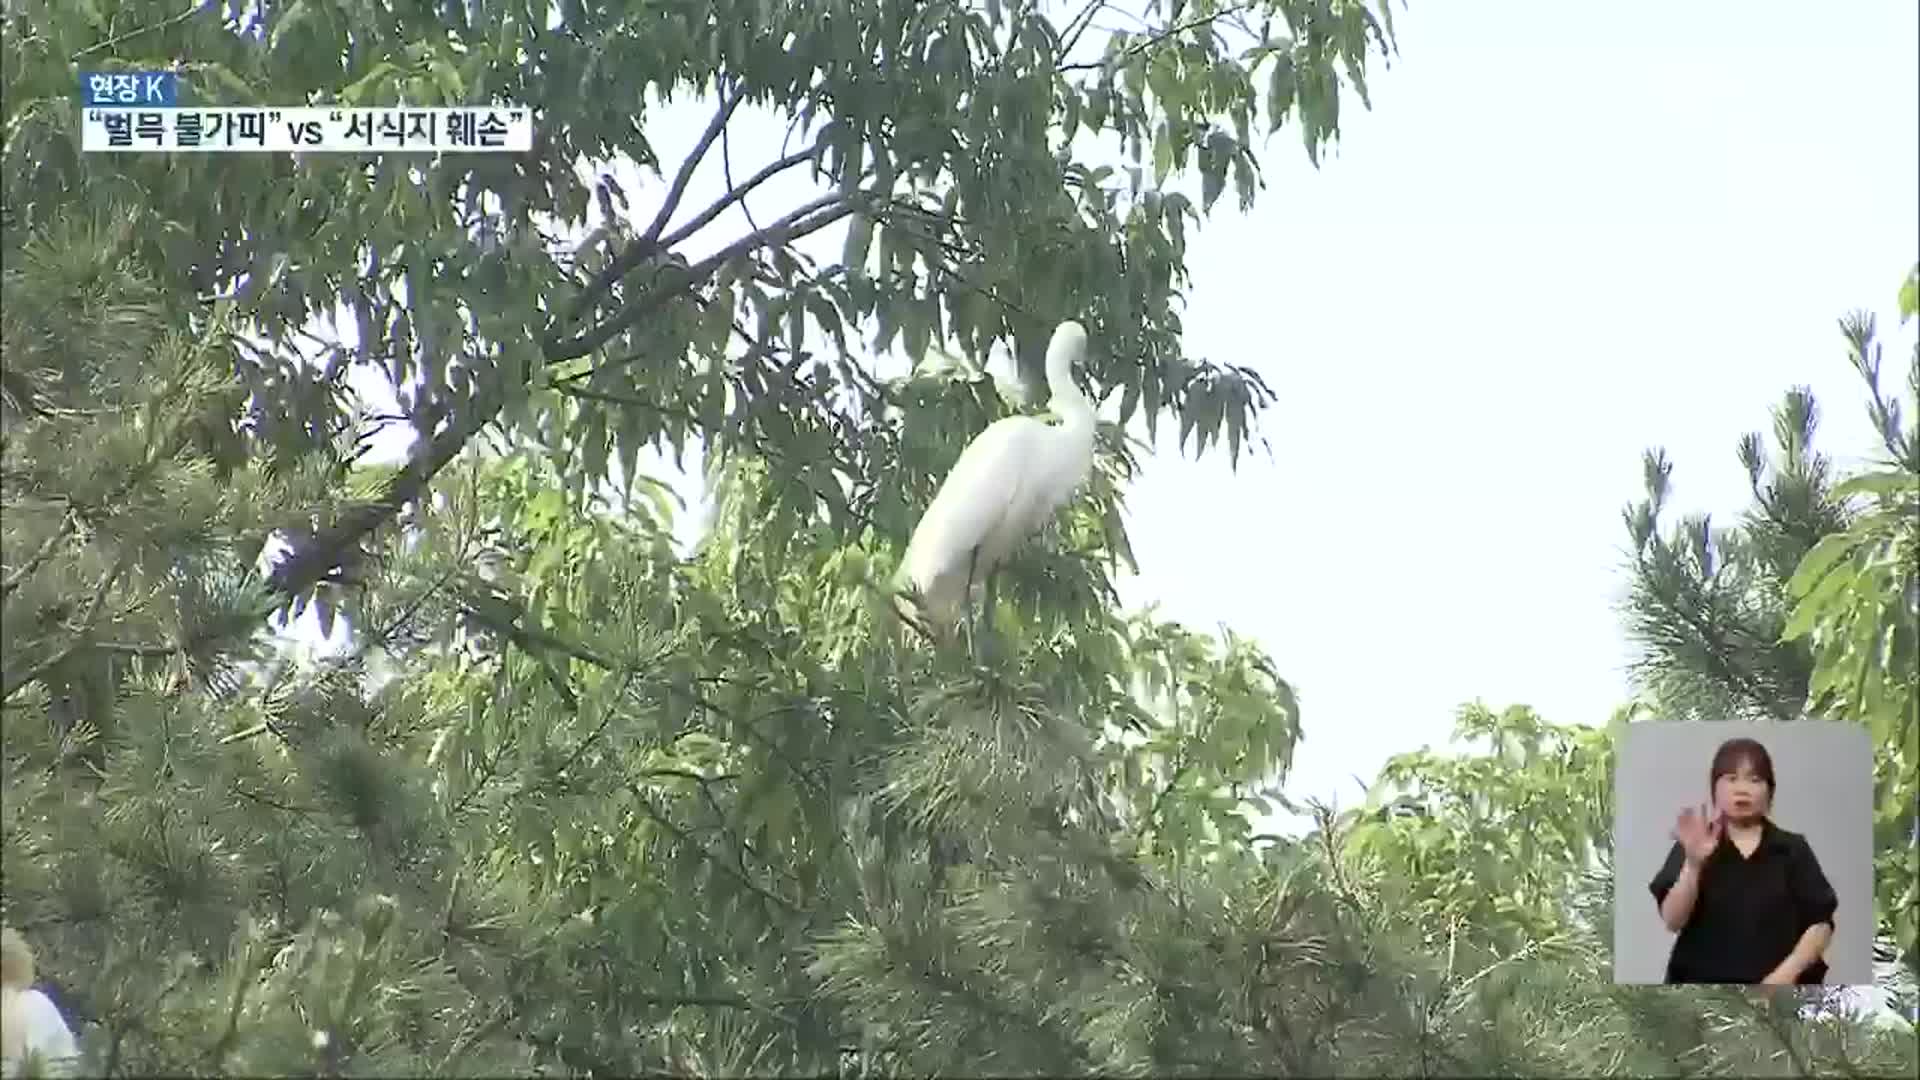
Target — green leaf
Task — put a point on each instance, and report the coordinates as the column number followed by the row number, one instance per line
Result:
column 1885, row 482
column 1213, row 176
column 445, row 75
column 237, row 91
column 291, row 18
column 1280, row 91
column 1190, row 419
column 716, row 321
column 1813, row 607
column 1814, row 568
column 916, row 330
column 1129, row 401
column 1245, row 180
column 369, row 85
column 828, row 316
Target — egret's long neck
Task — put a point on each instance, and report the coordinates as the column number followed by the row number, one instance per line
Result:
column 1063, row 394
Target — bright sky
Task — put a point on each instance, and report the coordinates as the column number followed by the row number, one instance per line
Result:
column 1566, row 233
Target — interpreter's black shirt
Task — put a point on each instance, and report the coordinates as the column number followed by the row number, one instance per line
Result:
column 1751, row 909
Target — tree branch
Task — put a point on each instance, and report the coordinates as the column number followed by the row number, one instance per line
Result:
column 1718, row 654
column 145, row 651
column 40, row 556
column 648, row 243
column 287, row 808
column 1078, row 26
column 176, row 438
column 685, row 175
column 312, row 560
column 138, row 31
column 1160, row 38
column 808, row 219
column 487, row 772
column 705, row 217
column 10, row 686
column 384, row 635
column 726, row 171
column 606, row 720
column 322, row 553
column 757, row 349
column 774, row 749
column 680, row 833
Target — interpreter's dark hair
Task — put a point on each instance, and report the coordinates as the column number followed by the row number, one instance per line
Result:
column 1737, row 752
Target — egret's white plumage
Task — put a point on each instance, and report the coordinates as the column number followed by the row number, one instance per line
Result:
column 1008, row 482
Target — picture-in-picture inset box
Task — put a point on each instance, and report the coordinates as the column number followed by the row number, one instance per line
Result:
column 1743, row 853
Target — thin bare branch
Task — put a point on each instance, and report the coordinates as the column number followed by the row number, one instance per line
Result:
column 686, row 837
column 138, row 649
column 11, row 686
column 311, row 561
column 40, row 556
column 728, row 104
column 138, row 31
column 738, row 194
column 648, row 243
column 1154, row 40
column 1078, row 25
column 808, row 219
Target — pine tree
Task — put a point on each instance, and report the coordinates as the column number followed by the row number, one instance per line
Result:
column 274, row 867
column 1810, row 606
column 136, row 678
column 1511, row 954
column 569, row 802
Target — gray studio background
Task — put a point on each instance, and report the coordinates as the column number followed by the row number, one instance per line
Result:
column 1824, row 792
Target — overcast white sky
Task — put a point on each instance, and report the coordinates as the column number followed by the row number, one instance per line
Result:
column 1566, row 232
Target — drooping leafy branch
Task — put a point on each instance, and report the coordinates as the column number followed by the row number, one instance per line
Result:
column 947, row 140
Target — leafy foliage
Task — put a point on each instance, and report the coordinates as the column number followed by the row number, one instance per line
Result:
column 572, row 801
column 1489, row 840
column 1810, row 606
column 1513, row 973
column 947, row 141
column 1857, row 604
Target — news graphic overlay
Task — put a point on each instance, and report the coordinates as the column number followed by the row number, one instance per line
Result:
column 141, row 112
column 129, row 89
column 1743, row 854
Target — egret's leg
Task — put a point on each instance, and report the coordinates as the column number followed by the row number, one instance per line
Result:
column 973, row 565
column 990, row 604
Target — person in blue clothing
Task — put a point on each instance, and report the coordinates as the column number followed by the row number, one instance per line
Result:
column 32, row 1031
column 1745, row 898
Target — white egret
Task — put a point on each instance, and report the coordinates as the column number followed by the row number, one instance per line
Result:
column 1009, row 481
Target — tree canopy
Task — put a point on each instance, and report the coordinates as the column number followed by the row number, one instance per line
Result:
column 573, row 800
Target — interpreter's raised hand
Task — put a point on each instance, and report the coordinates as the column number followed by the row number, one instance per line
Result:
column 1697, row 832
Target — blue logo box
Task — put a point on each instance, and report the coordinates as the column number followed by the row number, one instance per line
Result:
column 130, row 89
